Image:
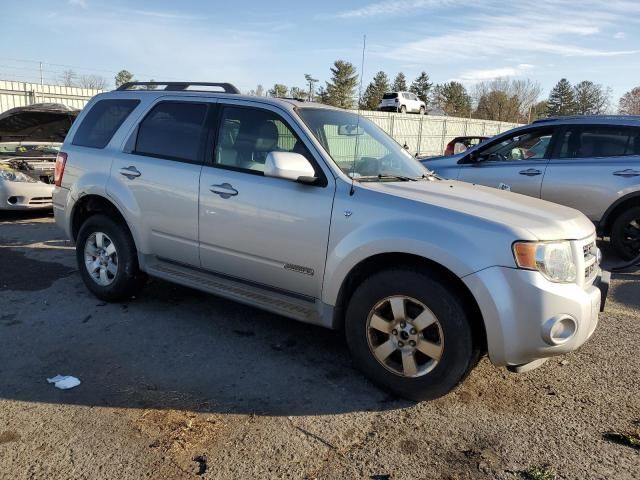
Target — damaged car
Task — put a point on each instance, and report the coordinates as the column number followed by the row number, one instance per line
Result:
column 30, row 138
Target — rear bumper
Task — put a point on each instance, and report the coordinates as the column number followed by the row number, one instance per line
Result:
column 25, row 196
column 519, row 307
column 389, row 108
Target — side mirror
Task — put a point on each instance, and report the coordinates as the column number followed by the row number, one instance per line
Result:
column 289, row 166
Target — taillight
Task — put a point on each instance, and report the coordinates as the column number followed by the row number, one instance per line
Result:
column 61, row 161
column 396, row 99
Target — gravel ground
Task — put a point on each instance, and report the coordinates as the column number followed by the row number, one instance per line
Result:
column 179, row 384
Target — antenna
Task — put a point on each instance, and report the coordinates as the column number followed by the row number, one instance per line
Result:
column 355, row 153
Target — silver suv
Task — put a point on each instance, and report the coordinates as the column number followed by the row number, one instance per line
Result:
column 589, row 163
column 316, row 214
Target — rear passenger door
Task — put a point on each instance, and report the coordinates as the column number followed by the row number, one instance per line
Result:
column 157, row 177
column 514, row 162
column 592, row 166
column 263, row 230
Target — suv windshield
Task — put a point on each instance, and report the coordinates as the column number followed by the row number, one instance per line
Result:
column 359, row 147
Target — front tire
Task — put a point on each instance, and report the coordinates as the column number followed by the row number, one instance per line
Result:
column 107, row 259
column 625, row 233
column 410, row 333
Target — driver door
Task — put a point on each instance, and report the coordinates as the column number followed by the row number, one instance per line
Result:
column 516, row 163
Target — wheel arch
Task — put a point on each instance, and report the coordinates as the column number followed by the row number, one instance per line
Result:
column 629, row 200
column 385, row 261
column 92, row 204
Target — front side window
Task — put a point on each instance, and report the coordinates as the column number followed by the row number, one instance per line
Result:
column 173, row 130
column 530, row 145
column 248, row 135
column 359, row 147
column 597, row 141
column 102, row 122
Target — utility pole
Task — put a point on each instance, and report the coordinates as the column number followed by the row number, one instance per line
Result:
column 41, row 77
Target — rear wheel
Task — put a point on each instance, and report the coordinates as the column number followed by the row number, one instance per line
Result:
column 403, row 109
column 107, row 259
column 410, row 333
column 625, row 233
column 421, row 110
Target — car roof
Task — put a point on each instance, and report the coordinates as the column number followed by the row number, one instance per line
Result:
column 633, row 120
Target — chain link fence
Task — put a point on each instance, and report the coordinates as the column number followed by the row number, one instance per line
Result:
column 429, row 134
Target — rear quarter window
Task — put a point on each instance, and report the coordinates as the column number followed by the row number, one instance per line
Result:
column 388, row 96
column 102, row 122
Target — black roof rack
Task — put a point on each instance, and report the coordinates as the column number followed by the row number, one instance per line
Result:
column 587, row 117
column 179, row 86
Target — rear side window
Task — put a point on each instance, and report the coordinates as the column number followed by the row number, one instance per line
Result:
column 388, row 96
column 173, row 130
column 102, row 122
column 596, row 141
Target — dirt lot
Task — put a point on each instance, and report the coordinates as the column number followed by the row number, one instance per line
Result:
column 179, row 384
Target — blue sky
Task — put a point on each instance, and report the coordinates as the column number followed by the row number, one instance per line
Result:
column 250, row 42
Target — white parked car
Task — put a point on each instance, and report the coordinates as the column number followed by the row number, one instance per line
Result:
column 30, row 138
column 403, row 102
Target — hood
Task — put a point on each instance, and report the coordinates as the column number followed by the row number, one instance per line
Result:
column 41, row 122
column 544, row 220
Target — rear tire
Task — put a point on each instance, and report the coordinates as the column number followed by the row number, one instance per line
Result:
column 625, row 233
column 421, row 356
column 108, row 260
column 403, row 109
column 421, row 110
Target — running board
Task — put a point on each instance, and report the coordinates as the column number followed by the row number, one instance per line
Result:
column 292, row 306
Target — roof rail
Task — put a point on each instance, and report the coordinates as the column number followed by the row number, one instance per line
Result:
column 179, row 86
column 587, row 117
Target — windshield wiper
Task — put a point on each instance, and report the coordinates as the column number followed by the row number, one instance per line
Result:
column 385, row 176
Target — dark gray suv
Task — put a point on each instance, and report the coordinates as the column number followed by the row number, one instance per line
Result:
column 591, row 163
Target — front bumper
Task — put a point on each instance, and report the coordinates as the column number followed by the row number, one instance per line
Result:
column 518, row 306
column 25, row 196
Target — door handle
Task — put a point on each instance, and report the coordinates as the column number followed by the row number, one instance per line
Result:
column 130, row 172
column 627, row 173
column 530, row 172
column 225, row 190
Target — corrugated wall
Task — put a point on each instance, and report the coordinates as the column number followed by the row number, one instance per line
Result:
column 19, row 94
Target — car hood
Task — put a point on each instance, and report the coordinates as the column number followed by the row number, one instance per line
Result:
column 544, row 220
column 433, row 163
column 42, row 122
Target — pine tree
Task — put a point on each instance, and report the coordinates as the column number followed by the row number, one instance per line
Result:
column 278, row 90
column 421, row 86
column 399, row 83
column 340, row 90
column 591, row 98
column 452, row 98
column 561, row 100
column 374, row 92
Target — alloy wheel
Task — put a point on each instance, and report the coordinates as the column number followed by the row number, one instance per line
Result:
column 101, row 258
column 405, row 336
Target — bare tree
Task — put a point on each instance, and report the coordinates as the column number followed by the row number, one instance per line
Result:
column 95, row 82
column 630, row 102
column 506, row 100
column 68, row 78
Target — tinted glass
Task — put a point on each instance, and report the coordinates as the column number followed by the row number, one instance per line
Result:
column 247, row 136
column 102, row 121
column 523, row 146
column 173, row 130
column 594, row 141
column 388, row 96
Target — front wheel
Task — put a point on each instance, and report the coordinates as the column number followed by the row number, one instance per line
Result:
column 107, row 259
column 625, row 233
column 410, row 333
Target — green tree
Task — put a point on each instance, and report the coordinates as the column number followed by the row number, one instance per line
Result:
column 498, row 105
column 340, row 90
column 561, row 100
column 374, row 92
column 421, row 86
column 322, row 96
column 630, row 102
column 399, row 83
column 452, row 98
column 538, row 110
column 278, row 90
column 312, row 84
column 297, row 92
column 122, row 77
column 591, row 98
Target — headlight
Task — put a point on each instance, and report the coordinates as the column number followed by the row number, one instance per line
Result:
column 554, row 260
column 15, row 176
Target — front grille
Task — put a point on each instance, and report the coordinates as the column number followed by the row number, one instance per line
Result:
column 40, row 200
column 589, row 250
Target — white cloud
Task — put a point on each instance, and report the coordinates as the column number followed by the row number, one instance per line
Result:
column 391, row 7
column 480, row 75
column 77, row 3
column 618, row 35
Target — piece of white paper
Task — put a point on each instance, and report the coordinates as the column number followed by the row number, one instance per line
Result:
column 64, row 382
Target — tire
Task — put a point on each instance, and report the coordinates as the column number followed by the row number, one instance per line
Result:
column 451, row 333
column 625, row 233
column 118, row 261
column 403, row 109
column 421, row 110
